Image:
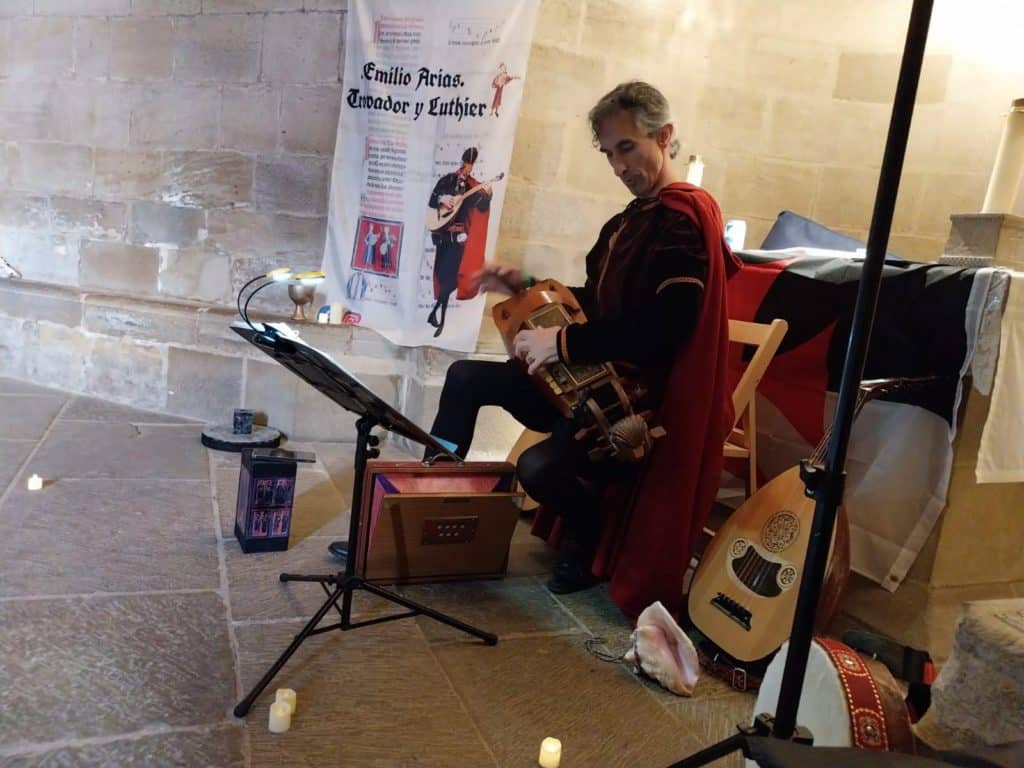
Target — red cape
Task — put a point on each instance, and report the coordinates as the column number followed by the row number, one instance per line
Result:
column 473, row 255
column 645, row 553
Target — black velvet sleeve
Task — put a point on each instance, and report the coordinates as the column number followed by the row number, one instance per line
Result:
column 665, row 305
column 647, row 338
column 585, row 294
column 443, row 186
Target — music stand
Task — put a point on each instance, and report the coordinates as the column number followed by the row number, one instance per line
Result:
column 331, row 379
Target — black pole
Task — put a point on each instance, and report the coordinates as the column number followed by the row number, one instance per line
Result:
column 366, row 448
column 826, row 486
column 829, row 493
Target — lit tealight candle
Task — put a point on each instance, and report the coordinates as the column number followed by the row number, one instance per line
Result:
column 287, row 695
column 35, row 483
column 280, row 717
column 550, row 753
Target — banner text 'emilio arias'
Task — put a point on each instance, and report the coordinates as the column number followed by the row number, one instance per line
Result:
column 454, row 105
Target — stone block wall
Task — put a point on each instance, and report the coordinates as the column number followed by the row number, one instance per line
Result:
column 181, row 357
column 155, row 154
column 143, row 138
column 788, row 102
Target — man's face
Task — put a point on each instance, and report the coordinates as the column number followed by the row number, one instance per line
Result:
column 465, row 170
column 636, row 158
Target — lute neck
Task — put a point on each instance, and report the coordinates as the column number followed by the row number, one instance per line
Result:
column 866, row 393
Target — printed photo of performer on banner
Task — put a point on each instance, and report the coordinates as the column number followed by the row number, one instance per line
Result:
column 462, row 205
column 499, row 82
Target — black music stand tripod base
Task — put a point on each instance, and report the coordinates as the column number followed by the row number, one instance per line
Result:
column 341, row 585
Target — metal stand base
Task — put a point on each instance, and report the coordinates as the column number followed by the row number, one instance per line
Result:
column 341, row 585
column 763, row 725
column 222, row 438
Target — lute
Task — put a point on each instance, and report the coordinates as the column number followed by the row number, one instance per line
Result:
column 438, row 218
column 743, row 594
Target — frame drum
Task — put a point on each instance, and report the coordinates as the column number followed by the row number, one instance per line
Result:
column 848, row 700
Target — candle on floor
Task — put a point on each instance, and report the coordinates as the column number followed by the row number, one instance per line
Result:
column 287, row 695
column 35, row 483
column 280, row 717
column 550, row 753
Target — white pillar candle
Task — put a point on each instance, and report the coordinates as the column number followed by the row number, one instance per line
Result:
column 35, row 483
column 287, row 695
column 695, row 170
column 550, row 753
column 337, row 312
column 1008, row 170
column 280, row 717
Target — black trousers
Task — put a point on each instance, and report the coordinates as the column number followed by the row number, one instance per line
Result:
column 556, row 472
column 447, row 260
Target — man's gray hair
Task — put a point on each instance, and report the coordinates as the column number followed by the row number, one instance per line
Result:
column 646, row 103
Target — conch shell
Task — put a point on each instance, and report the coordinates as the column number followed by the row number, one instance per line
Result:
column 662, row 651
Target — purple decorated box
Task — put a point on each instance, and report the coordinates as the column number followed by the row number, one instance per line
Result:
column 266, row 490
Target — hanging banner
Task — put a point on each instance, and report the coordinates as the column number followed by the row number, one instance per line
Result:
column 429, row 105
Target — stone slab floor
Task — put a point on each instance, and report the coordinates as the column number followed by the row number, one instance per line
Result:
column 131, row 622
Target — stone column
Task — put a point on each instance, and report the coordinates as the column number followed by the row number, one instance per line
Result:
column 998, row 237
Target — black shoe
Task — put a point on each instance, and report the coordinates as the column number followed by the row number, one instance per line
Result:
column 568, row 578
column 432, row 319
column 339, row 549
column 438, row 331
column 572, row 570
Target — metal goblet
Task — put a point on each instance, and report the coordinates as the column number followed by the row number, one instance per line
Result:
column 301, row 295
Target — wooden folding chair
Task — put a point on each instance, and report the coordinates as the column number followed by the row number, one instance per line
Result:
column 742, row 441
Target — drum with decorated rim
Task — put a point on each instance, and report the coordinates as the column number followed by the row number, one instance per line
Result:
column 848, row 700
